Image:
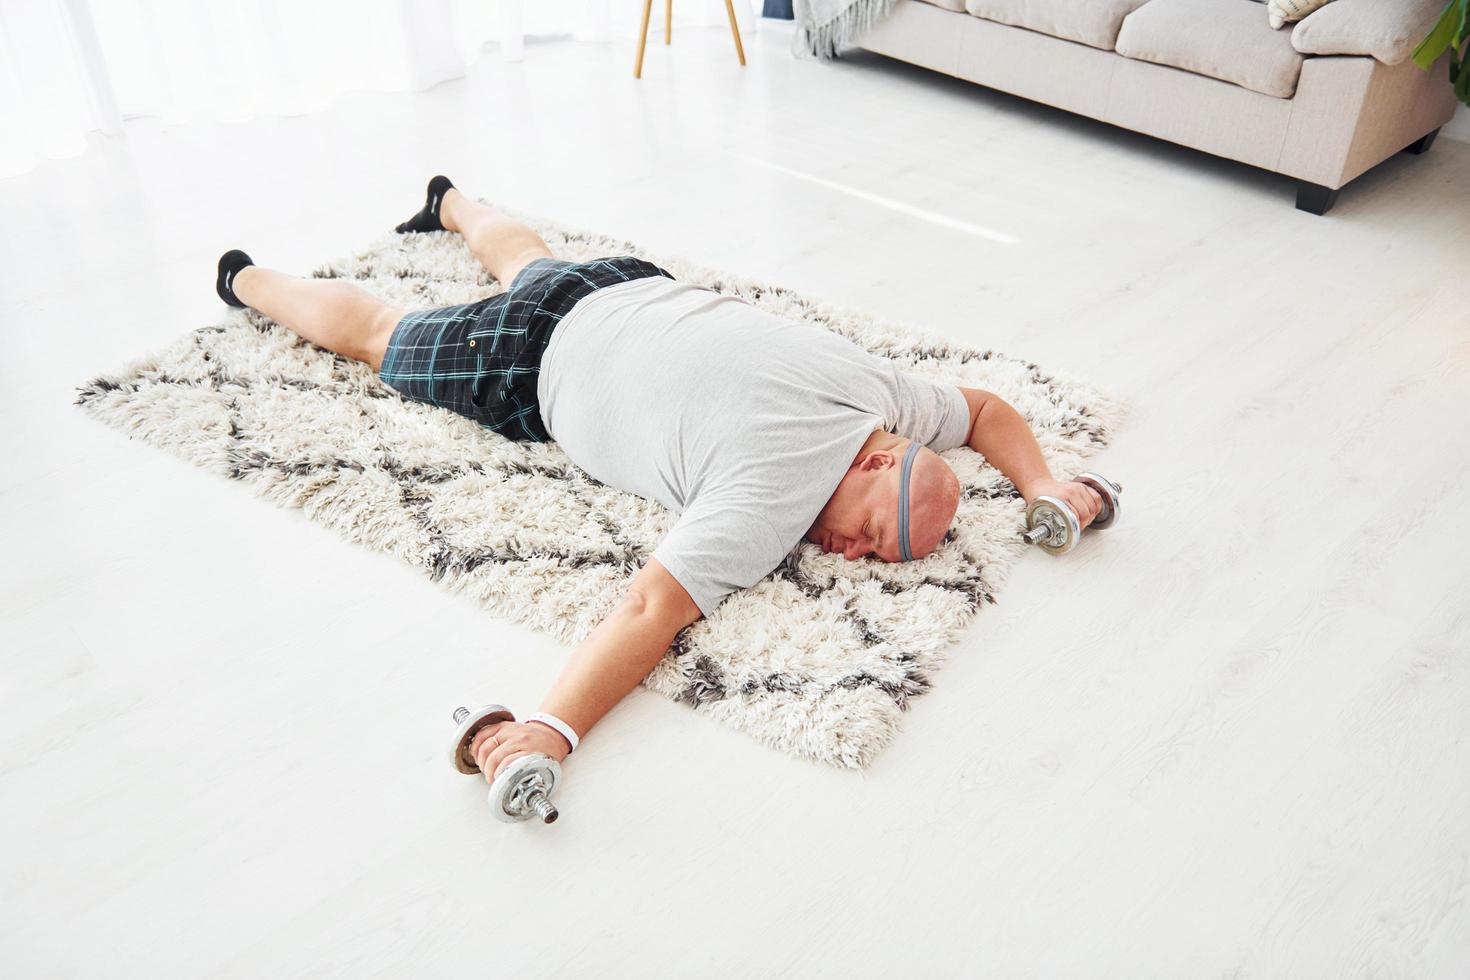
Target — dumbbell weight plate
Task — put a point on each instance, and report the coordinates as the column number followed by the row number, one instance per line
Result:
column 1054, row 513
column 517, row 780
column 459, row 749
column 1111, row 494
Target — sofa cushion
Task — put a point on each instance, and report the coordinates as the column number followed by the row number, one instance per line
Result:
column 1224, row 39
column 956, row 5
column 1279, row 13
column 1093, row 22
column 1388, row 30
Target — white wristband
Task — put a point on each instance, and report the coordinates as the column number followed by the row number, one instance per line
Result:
column 556, row 723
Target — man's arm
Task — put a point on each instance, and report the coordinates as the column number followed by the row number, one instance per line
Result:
column 1000, row 434
column 602, row 670
column 622, row 649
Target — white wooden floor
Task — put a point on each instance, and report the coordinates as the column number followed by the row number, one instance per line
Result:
column 1229, row 738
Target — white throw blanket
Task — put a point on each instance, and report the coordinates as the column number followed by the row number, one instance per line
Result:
column 822, row 25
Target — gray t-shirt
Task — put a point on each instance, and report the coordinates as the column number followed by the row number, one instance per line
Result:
column 741, row 421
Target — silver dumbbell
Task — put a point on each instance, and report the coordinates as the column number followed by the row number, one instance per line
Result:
column 1054, row 525
column 523, row 788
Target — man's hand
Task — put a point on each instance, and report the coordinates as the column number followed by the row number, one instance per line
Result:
column 495, row 745
column 1079, row 496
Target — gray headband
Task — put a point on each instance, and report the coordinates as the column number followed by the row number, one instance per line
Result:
column 903, row 502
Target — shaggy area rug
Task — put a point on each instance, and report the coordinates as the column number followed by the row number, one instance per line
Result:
column 818, row 660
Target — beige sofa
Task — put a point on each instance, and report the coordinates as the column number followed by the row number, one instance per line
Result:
column 1322, row 101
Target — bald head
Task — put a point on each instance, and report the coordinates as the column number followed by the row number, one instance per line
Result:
column 934, row 496
column 862, row 517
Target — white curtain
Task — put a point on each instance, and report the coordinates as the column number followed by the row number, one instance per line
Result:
column 72, row 67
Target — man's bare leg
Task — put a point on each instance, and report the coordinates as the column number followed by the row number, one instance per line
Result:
column 354, row 323
column 501, row 243
column 332, row 314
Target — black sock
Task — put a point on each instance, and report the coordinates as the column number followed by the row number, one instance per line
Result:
column 230, row 265
column 428, row 218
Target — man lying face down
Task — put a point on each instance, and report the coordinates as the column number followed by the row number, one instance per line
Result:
column 757, row 430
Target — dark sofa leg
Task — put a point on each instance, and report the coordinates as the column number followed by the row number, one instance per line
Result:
column 1422, row 144
column 1314, row 197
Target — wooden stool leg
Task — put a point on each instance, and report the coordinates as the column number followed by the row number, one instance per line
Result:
column 642, row 39
column 668, row 21
column 735, row 30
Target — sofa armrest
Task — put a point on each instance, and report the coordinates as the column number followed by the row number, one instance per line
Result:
column 1388, row 30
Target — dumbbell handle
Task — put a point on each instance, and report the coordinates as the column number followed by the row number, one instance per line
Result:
column 1037, row 534
column 538, row 802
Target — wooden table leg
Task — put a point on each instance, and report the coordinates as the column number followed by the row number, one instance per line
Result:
column 668, row 21
column 643, row 38
column 735, row 30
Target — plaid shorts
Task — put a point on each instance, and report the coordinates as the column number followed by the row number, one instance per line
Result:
column 482, row 359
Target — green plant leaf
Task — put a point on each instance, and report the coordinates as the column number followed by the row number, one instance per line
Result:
column 1446, row 30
